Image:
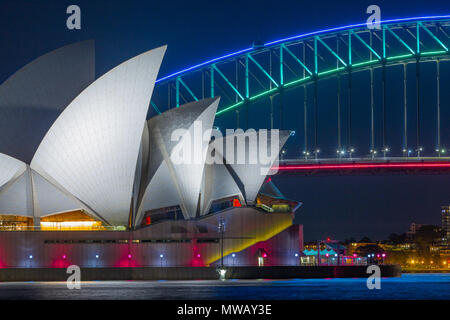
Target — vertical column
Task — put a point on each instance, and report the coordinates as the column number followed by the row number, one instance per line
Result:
column 236, row 82
column 350, row 93
column 236, row 70
column 316, row 66
column 418, row 38
column 247, row 89
column 438, row 105
column 270, row 68
column 316, row 71
column 305, row 119
column 383, row 89
column 316, row 120
column 339, row 150
column 270, row 86
column 350, row 48
column 339, row 115
column 281, row 88
column 383, row 102
column 405, row 110
column 247, row 92
column 350, row 112
column 305, row 107
column 372, row 116
column 281, row 67
column 419, row 147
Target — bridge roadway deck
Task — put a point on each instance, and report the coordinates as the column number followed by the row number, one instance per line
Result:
column 365, row 166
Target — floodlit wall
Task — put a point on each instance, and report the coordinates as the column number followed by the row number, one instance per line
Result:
column 181, row 243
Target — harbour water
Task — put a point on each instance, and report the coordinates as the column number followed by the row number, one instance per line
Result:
column 406, row 287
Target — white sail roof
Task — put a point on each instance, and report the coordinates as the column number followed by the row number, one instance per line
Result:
column 10, row 168
column 49, row 199
column 181, row 182
column 16, row 196
column 249, row 174
column 218, row 184
column 92, row 148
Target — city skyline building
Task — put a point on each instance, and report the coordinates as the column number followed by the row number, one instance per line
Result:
column 445, row 221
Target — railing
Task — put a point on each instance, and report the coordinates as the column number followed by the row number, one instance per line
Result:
column 38, row 228
column 363, row 160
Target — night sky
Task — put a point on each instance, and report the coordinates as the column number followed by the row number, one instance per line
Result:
column 339, row 207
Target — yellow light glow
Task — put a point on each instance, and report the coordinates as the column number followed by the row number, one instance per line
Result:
column 284, row 222
column 70, row 225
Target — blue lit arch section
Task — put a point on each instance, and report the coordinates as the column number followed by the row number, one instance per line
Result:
column 268, row 69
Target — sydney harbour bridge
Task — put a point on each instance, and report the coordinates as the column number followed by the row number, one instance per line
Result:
column 271, row 79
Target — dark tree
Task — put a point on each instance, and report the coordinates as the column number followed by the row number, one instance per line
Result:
column 369, row 249
column 424, row 238
column 365, row 239
column 395, row 238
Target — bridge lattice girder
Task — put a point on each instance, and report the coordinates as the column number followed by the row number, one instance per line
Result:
column 254, row 73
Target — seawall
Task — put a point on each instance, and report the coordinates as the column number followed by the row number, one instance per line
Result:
column 195, row 273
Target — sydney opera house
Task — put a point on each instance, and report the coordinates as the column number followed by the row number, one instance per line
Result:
column 87, row 179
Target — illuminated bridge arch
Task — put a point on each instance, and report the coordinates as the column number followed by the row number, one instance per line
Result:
column 269, row 69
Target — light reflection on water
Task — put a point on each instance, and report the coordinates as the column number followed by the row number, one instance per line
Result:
column 409, row 286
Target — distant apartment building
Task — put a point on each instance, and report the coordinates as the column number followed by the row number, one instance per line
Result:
column 445, row 218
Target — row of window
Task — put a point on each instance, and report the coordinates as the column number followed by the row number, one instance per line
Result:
column 121, row 241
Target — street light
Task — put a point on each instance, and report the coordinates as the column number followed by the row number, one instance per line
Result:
column 419, row 150
column 440, row 151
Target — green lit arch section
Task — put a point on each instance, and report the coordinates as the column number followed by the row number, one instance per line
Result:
column 249, row 75
column 363, row 66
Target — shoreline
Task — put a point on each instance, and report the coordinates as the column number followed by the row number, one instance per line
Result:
column 425, row 271
column 195, row 273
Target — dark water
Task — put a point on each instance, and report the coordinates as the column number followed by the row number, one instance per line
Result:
column 409, row 286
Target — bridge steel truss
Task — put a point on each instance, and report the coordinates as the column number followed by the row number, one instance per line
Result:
column 270, row 69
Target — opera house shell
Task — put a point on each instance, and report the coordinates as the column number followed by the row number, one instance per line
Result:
column 80, row 162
